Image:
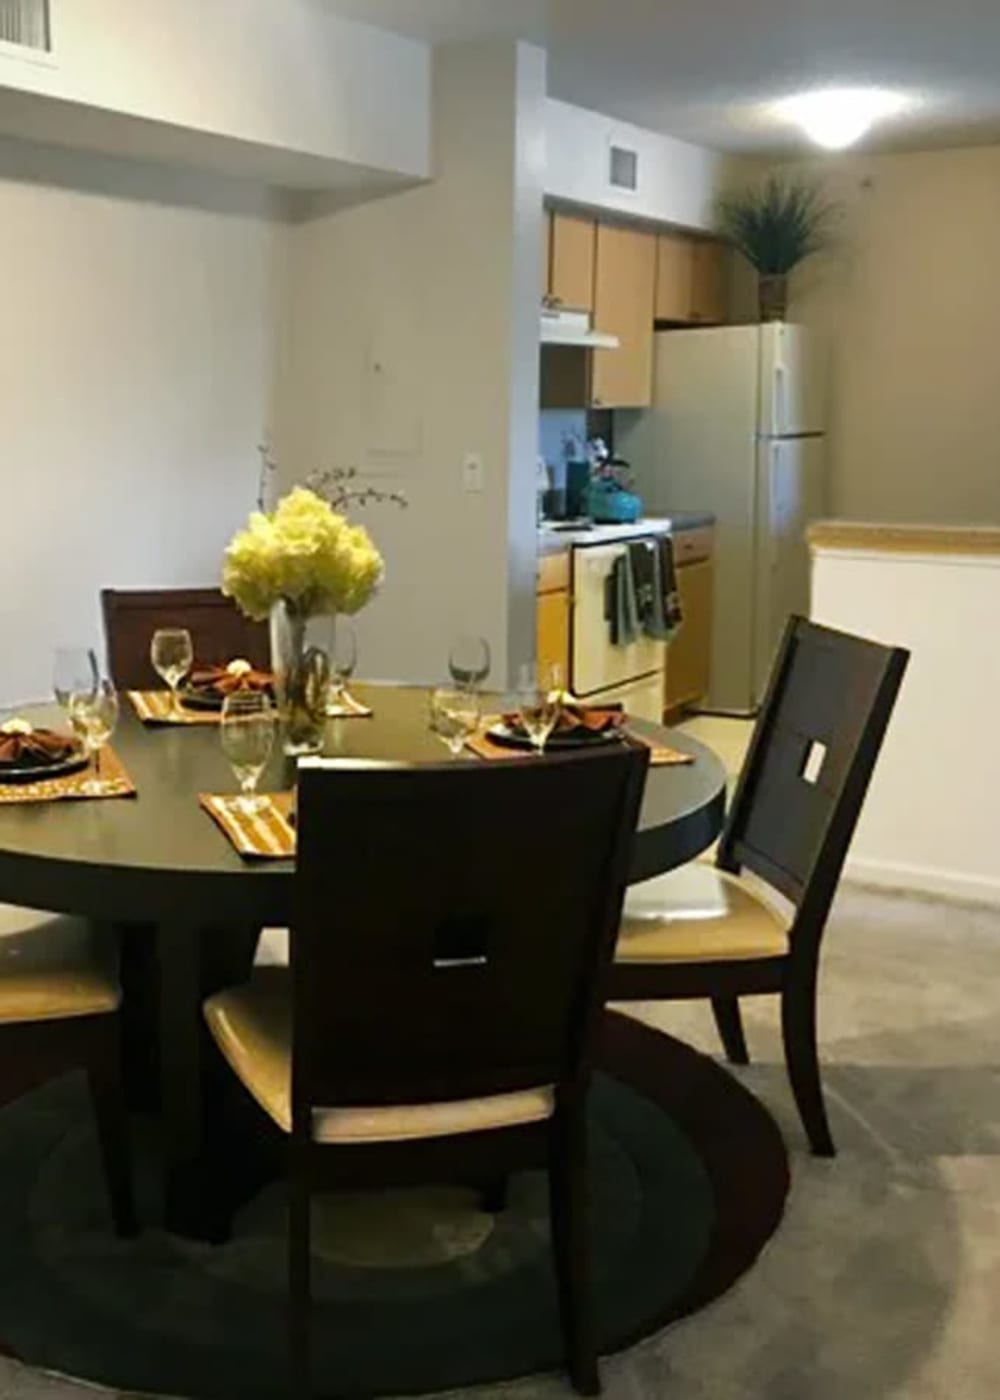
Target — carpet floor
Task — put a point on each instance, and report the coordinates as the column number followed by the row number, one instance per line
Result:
column 882, row 1281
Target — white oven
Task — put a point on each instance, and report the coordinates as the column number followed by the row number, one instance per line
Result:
column 633, row 674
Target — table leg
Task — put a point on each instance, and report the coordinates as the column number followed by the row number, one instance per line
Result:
column 192, row 964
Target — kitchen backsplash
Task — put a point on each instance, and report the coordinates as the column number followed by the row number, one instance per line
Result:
column 554, row 423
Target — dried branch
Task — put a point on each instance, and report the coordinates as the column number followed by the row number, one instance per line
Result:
column 335, row 485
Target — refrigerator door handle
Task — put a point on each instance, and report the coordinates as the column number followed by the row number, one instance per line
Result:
column 780, row 382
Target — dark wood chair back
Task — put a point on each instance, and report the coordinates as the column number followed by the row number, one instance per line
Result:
column 454, row 926
column 810, row 761
column 219, row 631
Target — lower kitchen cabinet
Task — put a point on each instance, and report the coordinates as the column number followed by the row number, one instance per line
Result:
column 552, row 645
column 553, row 632
column 689, row 654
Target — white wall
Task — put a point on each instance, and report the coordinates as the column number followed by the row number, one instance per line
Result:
column 910, row 299
column 932, row 816
column 135, row 364
column 678, row 182
column 284, row 75
column 411, row 339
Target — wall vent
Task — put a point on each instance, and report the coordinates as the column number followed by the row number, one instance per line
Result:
column 25, row 23
column 624, row 171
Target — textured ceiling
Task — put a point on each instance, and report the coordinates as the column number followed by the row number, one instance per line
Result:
column 706, row 70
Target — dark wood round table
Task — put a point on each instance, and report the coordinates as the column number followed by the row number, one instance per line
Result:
column 190, row 909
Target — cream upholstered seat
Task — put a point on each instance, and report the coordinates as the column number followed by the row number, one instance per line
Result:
column 53, row 968
column 699, row 914
column 252, row 1025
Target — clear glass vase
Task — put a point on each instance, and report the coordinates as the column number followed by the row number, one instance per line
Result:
column 301, row 677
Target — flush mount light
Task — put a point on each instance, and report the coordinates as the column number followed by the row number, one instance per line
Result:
column 836, row 118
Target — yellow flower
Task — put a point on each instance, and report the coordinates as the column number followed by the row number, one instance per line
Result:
column 305, row 553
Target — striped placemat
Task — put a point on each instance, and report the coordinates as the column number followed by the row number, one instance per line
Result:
column 113, row 776
column 266, row 835
column 154, row 707
column 660, row 755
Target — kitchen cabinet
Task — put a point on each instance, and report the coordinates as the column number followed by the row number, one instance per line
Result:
column 692, row 276
column 689, row 654
column 552, row 642
column 710, row 282
column 674, row 277
column 624, row 300
column 572, row 248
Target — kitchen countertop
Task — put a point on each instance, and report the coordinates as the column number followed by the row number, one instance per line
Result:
column 555, row 541
column 903, row 539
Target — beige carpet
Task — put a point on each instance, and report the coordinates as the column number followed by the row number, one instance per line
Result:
column 884, row 1280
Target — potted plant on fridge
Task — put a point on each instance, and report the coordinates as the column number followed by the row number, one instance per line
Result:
column 776, row 224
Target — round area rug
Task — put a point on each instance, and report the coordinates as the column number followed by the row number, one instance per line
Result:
column 414, row 1291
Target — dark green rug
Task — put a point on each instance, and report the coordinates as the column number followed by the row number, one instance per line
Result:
column 414, row 1291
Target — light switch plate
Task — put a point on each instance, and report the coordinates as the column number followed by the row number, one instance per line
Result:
column 473, row 473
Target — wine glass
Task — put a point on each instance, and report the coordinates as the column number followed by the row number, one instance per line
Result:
column 454, row 717
column 539, row 701
column 469, row 661
column 93, row 715
column 247, row 732
column 74, row 672
column 172, row 653
column 343, row 660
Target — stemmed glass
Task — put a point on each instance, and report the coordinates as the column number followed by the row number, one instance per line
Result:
column 75, row 672
column 247, row 732
column 343, row 660
column 454, row 717
column 172, row 653
column 469, row 661
column 93, row 715
column 539, row 701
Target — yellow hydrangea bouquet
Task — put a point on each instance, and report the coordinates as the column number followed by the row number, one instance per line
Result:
column 300, row 561
column 304, row 554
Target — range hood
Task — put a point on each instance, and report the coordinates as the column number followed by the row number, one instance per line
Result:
column 573, row 328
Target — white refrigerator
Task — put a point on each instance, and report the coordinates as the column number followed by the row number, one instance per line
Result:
column 738, row 427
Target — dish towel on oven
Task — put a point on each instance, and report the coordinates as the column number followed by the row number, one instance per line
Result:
column 667, row 612
column 621, row 610
column 655, row 577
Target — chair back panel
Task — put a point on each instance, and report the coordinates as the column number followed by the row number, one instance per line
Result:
column 454, row 925
column 219, row 631
column 811, row 757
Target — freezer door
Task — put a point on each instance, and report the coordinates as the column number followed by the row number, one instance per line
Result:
column 793, row 381
column 792, row 474
column 597, row 665
column 699, row 435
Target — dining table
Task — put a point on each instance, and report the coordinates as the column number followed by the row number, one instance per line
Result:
column 189, row 909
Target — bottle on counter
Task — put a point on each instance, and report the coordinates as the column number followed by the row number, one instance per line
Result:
column 542, row 486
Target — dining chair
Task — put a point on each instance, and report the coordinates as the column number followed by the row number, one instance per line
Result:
column 453, row 929
column 59, row 1001
column 219, row 630
column 712, row 932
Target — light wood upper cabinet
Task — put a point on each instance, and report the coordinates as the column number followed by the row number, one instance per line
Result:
column 710, row 282
column 546, row 254
column 692, row 280
column 624, row 301
column 571, row 270
column 674, row 277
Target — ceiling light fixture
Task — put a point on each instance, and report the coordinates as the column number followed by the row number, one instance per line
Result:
column 836, row 118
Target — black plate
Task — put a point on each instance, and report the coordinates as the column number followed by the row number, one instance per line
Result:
column 201, row 699
column 574, row 739
column 41, row 772
column 212, row 699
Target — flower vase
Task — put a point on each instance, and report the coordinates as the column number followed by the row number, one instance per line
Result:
column 301, row 679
